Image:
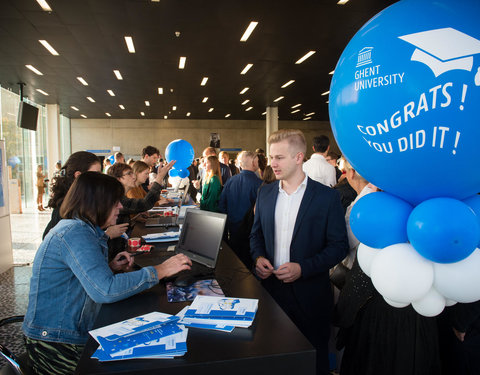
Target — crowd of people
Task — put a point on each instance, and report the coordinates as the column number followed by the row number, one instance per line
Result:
column 287, row 221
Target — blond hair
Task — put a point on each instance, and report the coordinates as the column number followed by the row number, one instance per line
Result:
column 294, row 137
column 348, row 167
column 215, row 171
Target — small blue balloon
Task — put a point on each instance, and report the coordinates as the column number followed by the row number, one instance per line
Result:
column 111, row 158
column 380, row 219
column 474, row 203
column 444, row 230
column 181, row 151
column 173, row 172
column 183, row 173
column 13, row 161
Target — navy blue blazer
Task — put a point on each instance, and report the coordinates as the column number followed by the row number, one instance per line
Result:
column 319, row 240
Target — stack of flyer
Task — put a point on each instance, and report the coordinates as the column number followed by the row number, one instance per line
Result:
column 153, row 335
column 162, row 237
column 220, row 313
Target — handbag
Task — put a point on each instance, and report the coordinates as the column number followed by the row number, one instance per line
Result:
column 338, row 275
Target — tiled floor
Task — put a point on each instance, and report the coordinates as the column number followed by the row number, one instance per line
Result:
column 27, row 230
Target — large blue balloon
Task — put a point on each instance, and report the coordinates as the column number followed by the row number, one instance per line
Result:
column 181, row 151
column 443, row 230
column 474, row 204
column 404, row 99
column 380, row 219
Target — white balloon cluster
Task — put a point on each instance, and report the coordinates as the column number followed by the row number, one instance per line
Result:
column 402, row 276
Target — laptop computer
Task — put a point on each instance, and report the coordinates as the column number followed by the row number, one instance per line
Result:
column 164, row 221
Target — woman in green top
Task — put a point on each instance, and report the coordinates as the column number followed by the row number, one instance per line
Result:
column 212, row 185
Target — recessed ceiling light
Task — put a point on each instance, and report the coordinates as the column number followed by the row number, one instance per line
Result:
column 264, row 113
column 188, row 114
column 306, row 118
column 130, row 46
column 35, row 70
column 331, row 73
column 83, row 116
column 307, row 55
column 248, row 109
column 244, row 90
column 296, row 105
column 246, row 101
column 165, row 117
column 174, row 108
column 181, row 62
column 117, row 74
column 288, row 83
column 142, row 113
column 295, row 111
column 111, row 93
column 171, row 90
column 325, row 93
column 310, row 114
column 121, row 106
column 246, row 69
column 82, row 81
column 328, row 101
column 227, row 115
column 279, row 98
column 204, row 100
column 147, row 103
column 74, row 108
column 204, row 81
column 44, row 5
column 155, row 1
column 341, row 2
column 49, row 47
column 108, row 114
column 42, row 92
column 248, row 31
column 91, row 99
column 160, row 91
column 210, row 110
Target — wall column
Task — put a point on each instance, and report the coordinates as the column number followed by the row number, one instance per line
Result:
column 271, row 125
column 53, row 137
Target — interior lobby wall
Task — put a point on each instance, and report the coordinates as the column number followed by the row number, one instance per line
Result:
column 133, row 135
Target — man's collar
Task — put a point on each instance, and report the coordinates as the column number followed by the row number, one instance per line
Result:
column 303, row 183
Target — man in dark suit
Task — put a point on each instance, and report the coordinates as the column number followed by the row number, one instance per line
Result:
column 298, row 235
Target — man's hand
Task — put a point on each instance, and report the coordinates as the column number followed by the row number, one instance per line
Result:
column 115, row 231
column 288, row 272
column 162, row 171
column 173, row 266
column 263, row 267
column 460, row 335
column 196, row 184
column 121, row 265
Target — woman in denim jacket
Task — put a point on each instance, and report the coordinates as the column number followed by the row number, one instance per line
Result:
column 72, row 277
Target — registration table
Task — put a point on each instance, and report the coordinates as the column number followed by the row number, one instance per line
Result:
column 272, row 344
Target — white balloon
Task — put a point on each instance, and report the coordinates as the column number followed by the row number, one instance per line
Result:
column 400, row 274
column 395, row 304
column 431, row 304
column 449, row 302
column 459, row 281
column 365, row 256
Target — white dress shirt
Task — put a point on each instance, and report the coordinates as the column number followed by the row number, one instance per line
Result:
column 318, row 169
column 286, row 211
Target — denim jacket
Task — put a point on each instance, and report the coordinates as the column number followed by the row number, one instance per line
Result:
column 71, row 279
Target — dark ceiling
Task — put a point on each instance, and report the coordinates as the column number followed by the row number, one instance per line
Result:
column 89, row 37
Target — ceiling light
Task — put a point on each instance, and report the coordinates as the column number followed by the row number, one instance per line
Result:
column 188, row 114
column 121, row 106
column 74, row 108
column 83, row 116
column 130, row 46
column 42, row 92
column 165, row 117
column 142, row 113
column 331, row 73
column 181, row 62
column 248, row 31
column 82, row 81
column 210, row 110
column 279, row 98
column 204, row 99
column 49, row 47
column 227, row 115
column 297, row 110
column 160, row 91
column 204, row 81
column 248, row 109
column 147, row 103
column 328, row 101
column 44, row 5
column 35, row 70
column 288, row 83
column 111, row 92
column 302, row 59
column 325, row 93
column 171, row 90
column 108, row 114
column 306, row 118
column 296, row 105
column 246, row 69
column 117, row 74
column 264, row 113
column 310, row 114
column 91, row 99
column 244, row 90
column 246, row 101
column 155, row 1
column 174, row 108
column 341, row 2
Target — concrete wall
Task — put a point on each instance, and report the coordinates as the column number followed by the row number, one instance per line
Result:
column 133, row 135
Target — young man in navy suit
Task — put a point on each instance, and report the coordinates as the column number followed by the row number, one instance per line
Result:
column 298, row 235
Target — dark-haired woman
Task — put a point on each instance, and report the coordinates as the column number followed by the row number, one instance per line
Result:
column 72, row 277
column 78, row 163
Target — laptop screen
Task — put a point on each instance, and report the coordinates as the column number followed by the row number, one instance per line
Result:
column 201, row 235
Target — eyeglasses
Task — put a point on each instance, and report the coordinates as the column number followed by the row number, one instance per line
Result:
column 128, row 174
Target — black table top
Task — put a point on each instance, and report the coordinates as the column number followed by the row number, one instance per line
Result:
column 273, row 343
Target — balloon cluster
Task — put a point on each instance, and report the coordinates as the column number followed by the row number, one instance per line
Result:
column 182, row 152
column 404, row 111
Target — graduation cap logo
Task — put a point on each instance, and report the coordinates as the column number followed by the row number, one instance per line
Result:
column 444, row 49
